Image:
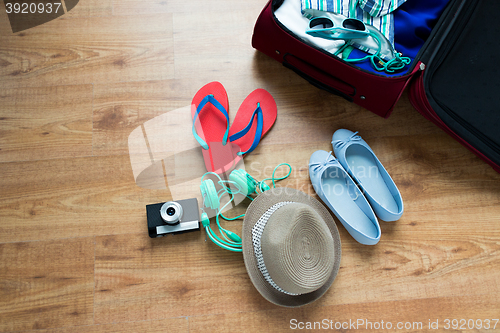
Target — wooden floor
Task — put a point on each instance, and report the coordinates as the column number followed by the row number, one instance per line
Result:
column 75, row 255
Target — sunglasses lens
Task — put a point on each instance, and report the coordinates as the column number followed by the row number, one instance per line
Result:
column 320, row 23
column 354, row 25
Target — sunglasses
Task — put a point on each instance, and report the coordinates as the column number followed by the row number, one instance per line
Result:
column 337, row 27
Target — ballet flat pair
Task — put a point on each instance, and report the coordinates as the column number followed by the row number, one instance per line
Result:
column 355, row 186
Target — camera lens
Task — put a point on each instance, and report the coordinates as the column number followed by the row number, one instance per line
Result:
column 171, row 212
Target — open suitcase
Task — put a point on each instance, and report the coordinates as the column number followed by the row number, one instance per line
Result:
column 453, row 79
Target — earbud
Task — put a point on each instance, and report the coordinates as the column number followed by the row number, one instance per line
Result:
column 234, row 237
column 205, row 221
column 263, row 187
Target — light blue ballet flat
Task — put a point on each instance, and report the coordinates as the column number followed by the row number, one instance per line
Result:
column 339, row 192
column 359, row 160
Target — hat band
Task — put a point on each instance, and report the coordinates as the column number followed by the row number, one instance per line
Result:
column 257, row 231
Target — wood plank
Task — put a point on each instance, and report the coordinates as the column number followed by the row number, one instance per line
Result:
column 72, row 198
column 171, row 325
column 87, row 8
column 176, row 275
column 438, row 187
column 84, row 8
column 179, row 275
column 413, row 267
column 421, row 315
column 122, row 107
column 119, row 108
column 45, row 123
column 130, row 7
column 226, row 49
column 46, row 284
column 74, row 251
column 82, row 50
column 307, row 114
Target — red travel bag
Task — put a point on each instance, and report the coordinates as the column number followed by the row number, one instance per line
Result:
column 453, row 81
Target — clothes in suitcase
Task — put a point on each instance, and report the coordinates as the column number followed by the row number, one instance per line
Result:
column 452, row 78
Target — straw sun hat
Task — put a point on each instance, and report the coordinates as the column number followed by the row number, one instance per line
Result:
column 291, row 247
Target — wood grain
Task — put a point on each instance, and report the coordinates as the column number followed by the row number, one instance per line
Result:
column 171, row 325
column 173, row 275
column 74, row 251
column 51, row 199
column 87, row 8
column 91, row 191
column 45, row 123
column 225, row 41
column 122, row 107
column 83, row 50
column 417, row 315
column 130, row 7
column 46, row 284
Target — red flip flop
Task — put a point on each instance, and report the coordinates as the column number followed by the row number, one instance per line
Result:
column 210, row 127
column 254, row 119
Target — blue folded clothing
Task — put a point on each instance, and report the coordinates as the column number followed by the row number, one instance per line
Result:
column 413, row 23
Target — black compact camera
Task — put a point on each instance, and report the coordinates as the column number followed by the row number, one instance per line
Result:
column 173, row 217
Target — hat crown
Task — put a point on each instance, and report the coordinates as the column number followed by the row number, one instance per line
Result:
column 298, row 249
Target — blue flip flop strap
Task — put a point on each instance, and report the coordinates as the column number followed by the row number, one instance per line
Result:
column 210, row 99
column 258, row 131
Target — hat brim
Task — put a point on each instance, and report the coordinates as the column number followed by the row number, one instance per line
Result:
column 255, row 210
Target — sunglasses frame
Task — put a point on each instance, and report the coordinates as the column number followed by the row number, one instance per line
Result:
column 337, row 31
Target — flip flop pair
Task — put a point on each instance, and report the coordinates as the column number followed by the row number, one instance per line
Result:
column 223, row 146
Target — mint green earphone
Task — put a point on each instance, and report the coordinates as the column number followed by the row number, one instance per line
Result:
column 245, row 185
